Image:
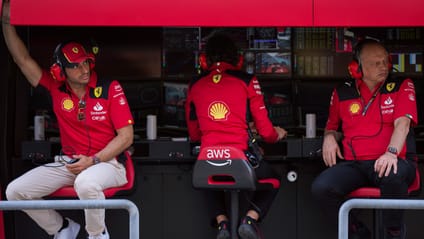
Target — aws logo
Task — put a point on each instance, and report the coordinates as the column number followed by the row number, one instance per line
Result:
column 218, row 154
column 218, row 111
column 354, row 108
column 223, row 154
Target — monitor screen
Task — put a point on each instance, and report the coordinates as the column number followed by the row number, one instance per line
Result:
column 273, row 63
column 278, row 101
column 174, row 100
column 143, row 98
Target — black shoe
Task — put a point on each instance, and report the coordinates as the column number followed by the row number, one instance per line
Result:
column 223, row 230
column 248, row 228
column 396, row 232
column 359, row 231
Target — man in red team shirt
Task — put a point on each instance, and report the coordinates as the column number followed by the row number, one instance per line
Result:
column 218, row 107
column 375, row 114
column 95, row 126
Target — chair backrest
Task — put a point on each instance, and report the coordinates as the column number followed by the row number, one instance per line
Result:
column 373, row 192
column 69, row 191
column 223, row 167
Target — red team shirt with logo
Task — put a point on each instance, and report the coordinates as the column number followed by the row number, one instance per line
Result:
column 220, row 101
column 102, row 116
column 369, row 135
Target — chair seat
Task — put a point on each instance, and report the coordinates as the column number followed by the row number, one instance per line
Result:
column 273, row 182
column 373, row 192
column 69, row 191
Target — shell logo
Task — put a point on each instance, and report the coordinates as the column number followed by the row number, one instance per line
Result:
column 67, row 104
column 354, row 108
column 218, row 111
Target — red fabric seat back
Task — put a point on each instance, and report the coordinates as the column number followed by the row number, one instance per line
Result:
column 69, row 191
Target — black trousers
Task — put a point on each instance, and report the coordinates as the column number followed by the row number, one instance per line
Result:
column 332, row 186
column 259, row 200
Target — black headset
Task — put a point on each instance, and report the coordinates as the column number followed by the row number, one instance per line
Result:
column 355, row 66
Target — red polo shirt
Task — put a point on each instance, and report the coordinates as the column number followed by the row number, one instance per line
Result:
column 217, row 108
column 106, row 110
column 367, row 136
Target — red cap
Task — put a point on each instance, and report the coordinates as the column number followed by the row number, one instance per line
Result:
column 74, row 53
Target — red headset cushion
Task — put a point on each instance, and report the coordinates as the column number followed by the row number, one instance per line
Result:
column 354, row 70
column 57, row 73
column 203, row 62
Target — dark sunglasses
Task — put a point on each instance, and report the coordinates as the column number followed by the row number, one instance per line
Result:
column 81, row 110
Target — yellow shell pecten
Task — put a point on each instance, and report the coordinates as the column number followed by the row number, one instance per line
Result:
column 218, row 111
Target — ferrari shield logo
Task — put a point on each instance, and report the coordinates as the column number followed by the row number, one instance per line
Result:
column 216, row 78
column 390, row 86
column 98, row 91
column 95, row 50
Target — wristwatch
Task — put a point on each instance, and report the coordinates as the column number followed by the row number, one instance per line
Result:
column 96, row 160
column 392, row 150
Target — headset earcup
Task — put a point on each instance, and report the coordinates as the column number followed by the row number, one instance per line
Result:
column 92, row 65
column 390, row 64
column 240, row 62
column 92, row 60
column 56, row 72
column 354, row 70
column 203, row 62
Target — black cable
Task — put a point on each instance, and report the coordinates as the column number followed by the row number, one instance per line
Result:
column 350, row 144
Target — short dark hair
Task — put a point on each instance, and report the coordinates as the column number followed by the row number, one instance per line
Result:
column 221, row 48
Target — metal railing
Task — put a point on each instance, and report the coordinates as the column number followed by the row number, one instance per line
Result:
column 80, row 204
column 375, row 203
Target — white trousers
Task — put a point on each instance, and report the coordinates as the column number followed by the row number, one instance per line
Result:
column 89, row 184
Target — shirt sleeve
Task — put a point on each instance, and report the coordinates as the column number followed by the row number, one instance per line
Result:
column 406, row 104
column 260, row 113
column 333, row 121
column 120, row 111
column 47, row 80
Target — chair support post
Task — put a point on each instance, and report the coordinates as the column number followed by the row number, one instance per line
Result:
column 234, row 213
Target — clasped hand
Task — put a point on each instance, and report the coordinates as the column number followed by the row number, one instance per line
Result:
column 82, row 163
